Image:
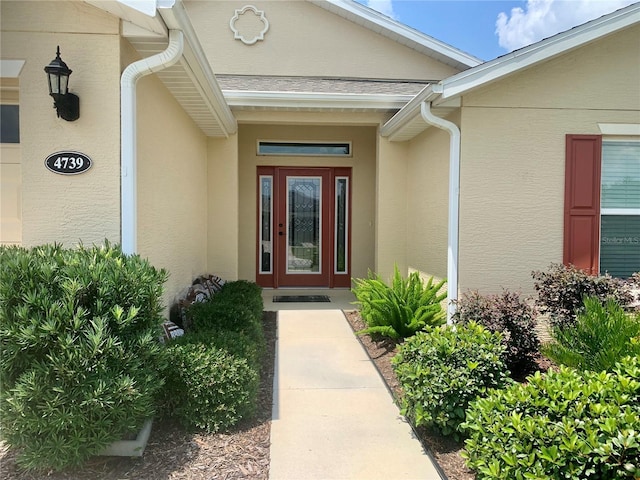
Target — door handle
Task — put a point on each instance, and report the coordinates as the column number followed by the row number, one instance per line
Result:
column 280, row 233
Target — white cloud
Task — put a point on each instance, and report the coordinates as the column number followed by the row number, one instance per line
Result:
column 383, row 6
column 543, row 18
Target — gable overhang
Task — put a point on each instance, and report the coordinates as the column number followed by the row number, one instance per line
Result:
column 191, row 80
column 402, row 34
column 447, row 94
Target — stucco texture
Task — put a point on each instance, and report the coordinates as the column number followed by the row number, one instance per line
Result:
column 513, row 149
column 56, row 208
column 428, row 202
column 300, row 29
column 172, row 187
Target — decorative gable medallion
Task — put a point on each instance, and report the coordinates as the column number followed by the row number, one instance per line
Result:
column 249, row 25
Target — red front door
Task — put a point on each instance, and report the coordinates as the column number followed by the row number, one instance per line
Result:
column 303, row 227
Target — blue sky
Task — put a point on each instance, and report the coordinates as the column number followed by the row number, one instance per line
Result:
column 490, row 28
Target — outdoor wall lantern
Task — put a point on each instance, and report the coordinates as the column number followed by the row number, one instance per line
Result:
column 66, row 104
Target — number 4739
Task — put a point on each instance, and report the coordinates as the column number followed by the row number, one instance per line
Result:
column 71, row 163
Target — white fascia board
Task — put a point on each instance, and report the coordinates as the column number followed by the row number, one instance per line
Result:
column 11, row 68
column 410, row 111
column 144, row 16
column 540, row 51
column 295, row 100
column 197, row 65
column 621, row 129
column 385, row 25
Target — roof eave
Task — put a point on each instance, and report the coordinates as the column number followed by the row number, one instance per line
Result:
column 543, row 50
column 195, row 62
column 407, row 123
column 402, row 125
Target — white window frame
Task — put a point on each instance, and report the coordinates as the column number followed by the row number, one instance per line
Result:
column 622, row 136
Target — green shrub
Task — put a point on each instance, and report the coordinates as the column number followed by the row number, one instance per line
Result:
column 444, row 368
column 79, row 350
column 401, row 309
column 236, row 308
column 562, row 425
column 601, row 337
column 510, row 315
column 248, row 293
column 237, row 344
column 561, row 291
column 208, row 387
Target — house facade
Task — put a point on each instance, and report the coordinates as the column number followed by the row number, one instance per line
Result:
column 303, row 143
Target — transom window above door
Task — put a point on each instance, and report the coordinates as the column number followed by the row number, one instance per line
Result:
column 301, row 149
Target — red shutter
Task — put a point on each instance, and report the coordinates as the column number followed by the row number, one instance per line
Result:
column 582, row 202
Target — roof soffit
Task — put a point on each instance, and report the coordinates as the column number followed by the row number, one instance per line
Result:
column 190, row 81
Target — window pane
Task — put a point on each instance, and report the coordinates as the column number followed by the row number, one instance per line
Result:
column 620, row 245
column 304, row 224
column 266, row 216
column 9, row 124
column 292, row 148
column 621, row 175
column 341, row 224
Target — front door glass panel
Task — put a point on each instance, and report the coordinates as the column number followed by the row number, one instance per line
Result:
column 304, row 225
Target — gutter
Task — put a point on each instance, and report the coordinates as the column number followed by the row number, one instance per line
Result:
column 128, row 134
column 454, row 203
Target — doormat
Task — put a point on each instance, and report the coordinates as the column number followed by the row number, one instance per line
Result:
column 301, row 298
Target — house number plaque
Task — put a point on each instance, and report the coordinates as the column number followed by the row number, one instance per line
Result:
column 68, row 163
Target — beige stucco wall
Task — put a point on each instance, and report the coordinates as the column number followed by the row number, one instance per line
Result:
column 305, row 40
column 172, row 187
column 223, row 207
column 391, row 207
column 428, row 202
column 513, row 148
column 363, row 164
column 85, row 207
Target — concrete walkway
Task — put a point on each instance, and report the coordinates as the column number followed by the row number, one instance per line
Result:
column 333, row 417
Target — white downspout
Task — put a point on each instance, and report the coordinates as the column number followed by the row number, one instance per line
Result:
column 128, row 134
column 454, row 202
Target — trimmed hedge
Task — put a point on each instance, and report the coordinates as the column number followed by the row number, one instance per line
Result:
column 561, row 425
column 79, row 350
column 213, row 377
column 442, row 369
column 208, row 387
